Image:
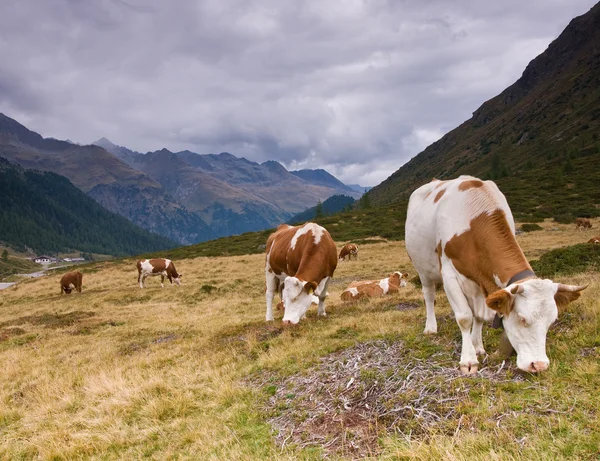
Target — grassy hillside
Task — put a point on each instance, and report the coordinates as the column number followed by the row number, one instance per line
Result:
column 539, row 139
column 45, row 212
column 194, row 372
column 15, row 264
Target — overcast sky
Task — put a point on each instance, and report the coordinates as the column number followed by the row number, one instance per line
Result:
column 354, row 86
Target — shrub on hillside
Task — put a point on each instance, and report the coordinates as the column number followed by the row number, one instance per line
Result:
column 567, row 261
column 528, row 227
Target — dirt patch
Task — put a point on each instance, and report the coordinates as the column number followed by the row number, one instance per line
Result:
column 87, row 327
column 53, row 321
column 354, row 396
column 405, row 306
column 138, row 346
column 249, row 338
column 10, row 332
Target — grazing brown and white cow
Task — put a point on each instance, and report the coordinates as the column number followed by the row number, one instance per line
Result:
column 159, row 266
column 582, row 224
column 374, row 288
column 300, row 261
column 70, row 281
column 350, row 249
column 461, row 232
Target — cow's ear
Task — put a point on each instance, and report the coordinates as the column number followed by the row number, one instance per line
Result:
column 310, row 287
column 566, row 294
column 501, row 301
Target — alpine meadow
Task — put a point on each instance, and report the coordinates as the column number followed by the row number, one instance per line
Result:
column 495, row 223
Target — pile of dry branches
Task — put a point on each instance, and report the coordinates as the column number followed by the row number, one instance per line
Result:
column 345, row 403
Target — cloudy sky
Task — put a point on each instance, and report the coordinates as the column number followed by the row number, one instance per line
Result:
column 354, row 86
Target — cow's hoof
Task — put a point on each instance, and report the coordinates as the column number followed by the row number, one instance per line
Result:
column 480, row 351
column 323, row 314
column 429, row 331
column 270, row 319
column 469, row 369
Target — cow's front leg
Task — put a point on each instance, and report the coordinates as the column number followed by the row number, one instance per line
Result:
column 143, row 282
column 322, row 294
column 272, row 288
column 162, row 280
column 464, row 318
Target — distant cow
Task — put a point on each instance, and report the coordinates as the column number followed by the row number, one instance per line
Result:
column 595, row 240
column 582, row 224
column 303, row 259
column 350, row 249
column 461, row 232
column 159, row 266
column 375, row 288
column 74, row 278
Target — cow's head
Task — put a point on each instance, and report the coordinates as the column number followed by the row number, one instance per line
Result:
column 297, row 298
column 175, row 278
column 527, row 310
column 68, row 290
column 398, row 279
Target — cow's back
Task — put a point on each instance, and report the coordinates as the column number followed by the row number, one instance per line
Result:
column 293, row 252
column 440, row 210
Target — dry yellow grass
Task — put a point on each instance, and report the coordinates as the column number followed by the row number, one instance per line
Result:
column 118, row 372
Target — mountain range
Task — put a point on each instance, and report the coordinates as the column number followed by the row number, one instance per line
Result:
column 539, row 139
column 184, row 196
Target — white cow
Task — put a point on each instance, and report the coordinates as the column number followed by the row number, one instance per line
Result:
column 461, row 232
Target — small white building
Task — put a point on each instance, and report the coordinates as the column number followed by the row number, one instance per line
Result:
column 44, row 259
column 73, row 260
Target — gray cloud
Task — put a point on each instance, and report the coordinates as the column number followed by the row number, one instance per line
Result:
column 355, row 86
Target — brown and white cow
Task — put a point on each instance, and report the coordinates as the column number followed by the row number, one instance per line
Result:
column 70, row 281
column 595, row 240
column 461, row 232
column 350, row 249
column 374, row 288
column 582, row 224
column 160, row 266
column 300, row 261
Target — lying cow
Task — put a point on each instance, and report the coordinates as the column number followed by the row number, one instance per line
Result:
column 350, row 249
column 375, row 288
column 154, row 267
column 303, row 258
column 461, row 232
column 595, row 240
column 582, row 224
column 70, row 281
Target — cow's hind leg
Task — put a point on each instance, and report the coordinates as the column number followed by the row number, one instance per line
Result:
column 322, row 295
column 429, row 295
column 272, row 288
column 476, row 336
column 162, row 280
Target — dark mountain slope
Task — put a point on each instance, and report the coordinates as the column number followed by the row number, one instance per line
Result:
column 46, row 212
column 106, row 178
column 539, row 138
column 322, row 178
column 333, row 204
